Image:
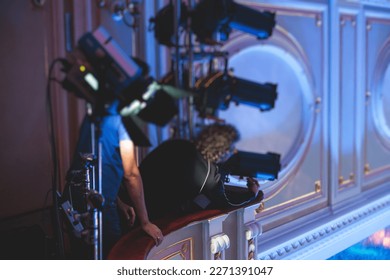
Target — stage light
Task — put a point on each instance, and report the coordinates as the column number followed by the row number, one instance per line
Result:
column 255, row 165
column 163, row 23
column 210, row 17
column 217, row 90
column 99, row 71
column 113, row 65
column 153, row 105
column 221, row 16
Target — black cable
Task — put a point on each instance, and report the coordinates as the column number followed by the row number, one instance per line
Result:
column 55, row 178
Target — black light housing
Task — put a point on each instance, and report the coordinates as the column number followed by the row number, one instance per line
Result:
column 151, row 103
column 217, row 90
column 221, row 16
column 210, row 17
column 163, row 23
column 100, row 72
column 255, row 165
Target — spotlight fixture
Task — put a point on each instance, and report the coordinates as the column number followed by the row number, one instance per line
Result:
column 154, row 105
column 100, row 72
column 221, row 16
column 218, row 89
column 210, row 17
column 163, row 23
column 255, row 165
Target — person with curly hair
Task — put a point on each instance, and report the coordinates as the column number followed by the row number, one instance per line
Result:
column 183, row 176
column 216, row 142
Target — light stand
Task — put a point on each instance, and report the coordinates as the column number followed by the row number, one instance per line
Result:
column 94, row 200
column 96, row 214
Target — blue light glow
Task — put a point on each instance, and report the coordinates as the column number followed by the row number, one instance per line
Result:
column 375, row 247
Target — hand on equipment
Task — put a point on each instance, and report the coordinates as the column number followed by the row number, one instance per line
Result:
column 253, row 185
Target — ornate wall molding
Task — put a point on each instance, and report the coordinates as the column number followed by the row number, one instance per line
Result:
column 252, row 231
column 214, row 242
column 218, row 245
column 336, row 235
column 376, row 140
column 180, row 250
column 348, row 47
column 381, row 3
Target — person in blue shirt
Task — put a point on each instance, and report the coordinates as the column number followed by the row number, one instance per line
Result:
column 118, row 165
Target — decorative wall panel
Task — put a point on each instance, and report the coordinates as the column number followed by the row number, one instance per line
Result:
column 181, row 250
column 293, row 58
column 347, row 98
column 377, row 136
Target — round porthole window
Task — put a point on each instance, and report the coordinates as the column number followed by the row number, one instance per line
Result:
column 381, row 98
column 286, row 128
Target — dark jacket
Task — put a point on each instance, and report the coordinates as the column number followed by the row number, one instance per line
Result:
column 177, row 178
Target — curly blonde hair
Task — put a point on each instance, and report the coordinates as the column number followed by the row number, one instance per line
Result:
column 215, row 141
